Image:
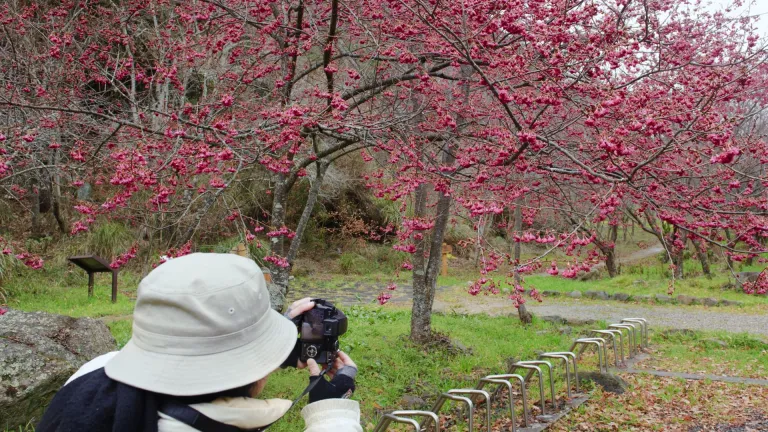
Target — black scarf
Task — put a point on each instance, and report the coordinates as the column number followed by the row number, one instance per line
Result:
column 96, row 403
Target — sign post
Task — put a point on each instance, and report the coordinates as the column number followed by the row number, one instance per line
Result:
column 95, row 264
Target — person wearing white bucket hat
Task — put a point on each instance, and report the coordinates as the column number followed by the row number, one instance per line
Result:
column 204, row 340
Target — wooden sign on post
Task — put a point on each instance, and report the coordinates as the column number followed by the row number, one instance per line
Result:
column 96, row 264
column 447, row 249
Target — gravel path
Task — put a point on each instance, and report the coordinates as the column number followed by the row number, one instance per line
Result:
column 664, row 316
column 451, row 299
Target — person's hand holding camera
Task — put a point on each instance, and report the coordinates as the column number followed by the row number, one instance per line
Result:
column 296, row 309
column 342, row 379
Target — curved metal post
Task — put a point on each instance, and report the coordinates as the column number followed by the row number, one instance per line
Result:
column 482, row 393
column 612, row 334
column 446, row 396
column 573, row 359
column 564, row 358
column 501, row 382
column 541, row 381
column 605, row 349
column 429, row 414
column 635, row 326
column 592, row 341
column 630, row 337
column 523, row 393
column 644, row 323
column 551, row 378
column 387, row 419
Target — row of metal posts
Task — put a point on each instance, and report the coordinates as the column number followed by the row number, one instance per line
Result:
column 637, row 337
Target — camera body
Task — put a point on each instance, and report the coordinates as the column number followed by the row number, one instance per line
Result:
column 319, row 331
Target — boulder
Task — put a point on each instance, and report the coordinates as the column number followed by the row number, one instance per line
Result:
column 742, row 277
column 687, row 300
column 38, row 353
column 575, row 294
column 609, row 382
column 580, row 322
column 412, row 402
column 550, row 293
column 554, row 319
column 641, row 298
column 600, row 295
column 588, row 276
column 715, row 343
column 661, row 298
column 709, row 301
column 730, row 303
column 565, row 330
column 621, row 296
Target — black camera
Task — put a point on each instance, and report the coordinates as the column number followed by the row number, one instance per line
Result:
column 319, row 331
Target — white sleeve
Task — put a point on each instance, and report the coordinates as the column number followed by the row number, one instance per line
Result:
column 92, row 365
column 332, row 415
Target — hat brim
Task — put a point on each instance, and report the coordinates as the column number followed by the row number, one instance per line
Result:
column 179, row 375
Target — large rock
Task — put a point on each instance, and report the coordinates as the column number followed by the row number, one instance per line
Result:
column 599, row 295
column 38, row 352
column 661, row 298
column 709, row 301
column 609, row 382
column 687, row 300
column 743, row 277
column 621, row 297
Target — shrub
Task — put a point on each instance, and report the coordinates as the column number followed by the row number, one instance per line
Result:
column 108, row 240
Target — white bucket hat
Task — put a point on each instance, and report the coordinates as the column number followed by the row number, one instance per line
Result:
column 203, row 324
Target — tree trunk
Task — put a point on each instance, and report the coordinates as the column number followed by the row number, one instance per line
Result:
column 420, row 316
column 522, row 312
column 424, row 280
column 61, row 219
column 678, row 257
column 703, row 259
column 424, row 296
column 34, row 205
column 280, row 275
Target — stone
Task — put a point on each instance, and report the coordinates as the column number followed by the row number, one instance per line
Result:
column 742, row 277
column 599, row 295
column 588, row 276
column 641, row 298
column 687, row 300
column 550, row 293
column 661, row 298
column 609, row 382
column 412, row 402
column 713, row 341
column 38, row 353
column 724, row 302
column 555, row 319
column 575, row 294
column 709, row 301
column 621, row 296
column 565, row 330
column 580, row 322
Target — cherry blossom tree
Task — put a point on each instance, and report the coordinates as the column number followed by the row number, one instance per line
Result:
column 635, row 99
column 172, row 111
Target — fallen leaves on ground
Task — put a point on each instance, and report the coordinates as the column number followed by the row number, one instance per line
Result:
column 671, row 404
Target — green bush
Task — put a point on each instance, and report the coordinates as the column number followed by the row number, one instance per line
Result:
column 352, row 263
column 108, row 240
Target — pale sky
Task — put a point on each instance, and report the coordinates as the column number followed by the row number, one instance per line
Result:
column 756, row 7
